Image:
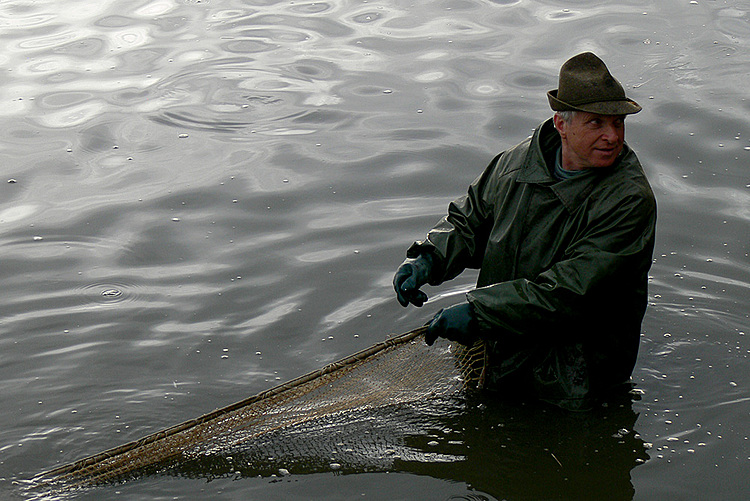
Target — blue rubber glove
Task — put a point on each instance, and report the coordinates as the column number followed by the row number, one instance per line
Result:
column 457, row 323
column 410, row 276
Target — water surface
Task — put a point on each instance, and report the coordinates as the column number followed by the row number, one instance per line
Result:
column 201, row 199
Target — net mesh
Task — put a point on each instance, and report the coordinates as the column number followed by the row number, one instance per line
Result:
column 400, row 370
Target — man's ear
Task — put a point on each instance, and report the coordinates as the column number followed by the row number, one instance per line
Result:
column 559, row 124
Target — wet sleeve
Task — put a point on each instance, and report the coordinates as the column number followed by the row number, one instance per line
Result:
column 603, row 268
column 458, row 241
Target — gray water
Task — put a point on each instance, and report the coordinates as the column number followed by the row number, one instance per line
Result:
column 202, row 199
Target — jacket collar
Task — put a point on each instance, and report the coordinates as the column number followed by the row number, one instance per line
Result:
column 539, row 164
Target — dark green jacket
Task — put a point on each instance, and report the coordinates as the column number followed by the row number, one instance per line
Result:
column 563, row 266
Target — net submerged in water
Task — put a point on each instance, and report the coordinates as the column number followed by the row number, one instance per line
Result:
column 400, row 370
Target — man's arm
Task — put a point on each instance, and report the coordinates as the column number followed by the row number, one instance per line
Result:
column 609, row 261
column 458, row 241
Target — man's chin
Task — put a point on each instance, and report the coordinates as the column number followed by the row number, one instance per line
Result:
column 605, row 158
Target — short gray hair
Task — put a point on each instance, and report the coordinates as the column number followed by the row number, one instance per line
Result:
column 566, row 115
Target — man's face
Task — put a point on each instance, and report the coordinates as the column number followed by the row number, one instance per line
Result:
column 590, row 140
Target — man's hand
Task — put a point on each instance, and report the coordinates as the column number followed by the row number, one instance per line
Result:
column 410, row 276
column 457, row 323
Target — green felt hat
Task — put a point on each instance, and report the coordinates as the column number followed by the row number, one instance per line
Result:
column 585, row 84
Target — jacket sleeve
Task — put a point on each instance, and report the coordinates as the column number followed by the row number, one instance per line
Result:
column 458, row 241
column 602, row 274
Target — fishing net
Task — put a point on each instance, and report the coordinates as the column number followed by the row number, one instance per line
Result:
column 400, row 371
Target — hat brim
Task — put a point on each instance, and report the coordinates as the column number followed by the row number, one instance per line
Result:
column 620, row 107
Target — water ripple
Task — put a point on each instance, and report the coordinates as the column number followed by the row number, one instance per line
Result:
column 109, row 293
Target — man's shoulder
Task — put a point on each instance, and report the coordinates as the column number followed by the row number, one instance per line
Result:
column 627, row 182
column 512, row 159
column 631, row 176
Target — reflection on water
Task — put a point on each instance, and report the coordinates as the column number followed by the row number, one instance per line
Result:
column 499, row 450
column 504, row 451
column 199, row 200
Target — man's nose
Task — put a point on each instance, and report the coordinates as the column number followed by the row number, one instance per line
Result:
column 610, row 133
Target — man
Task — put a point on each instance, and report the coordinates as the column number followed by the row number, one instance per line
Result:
column 562, row 228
